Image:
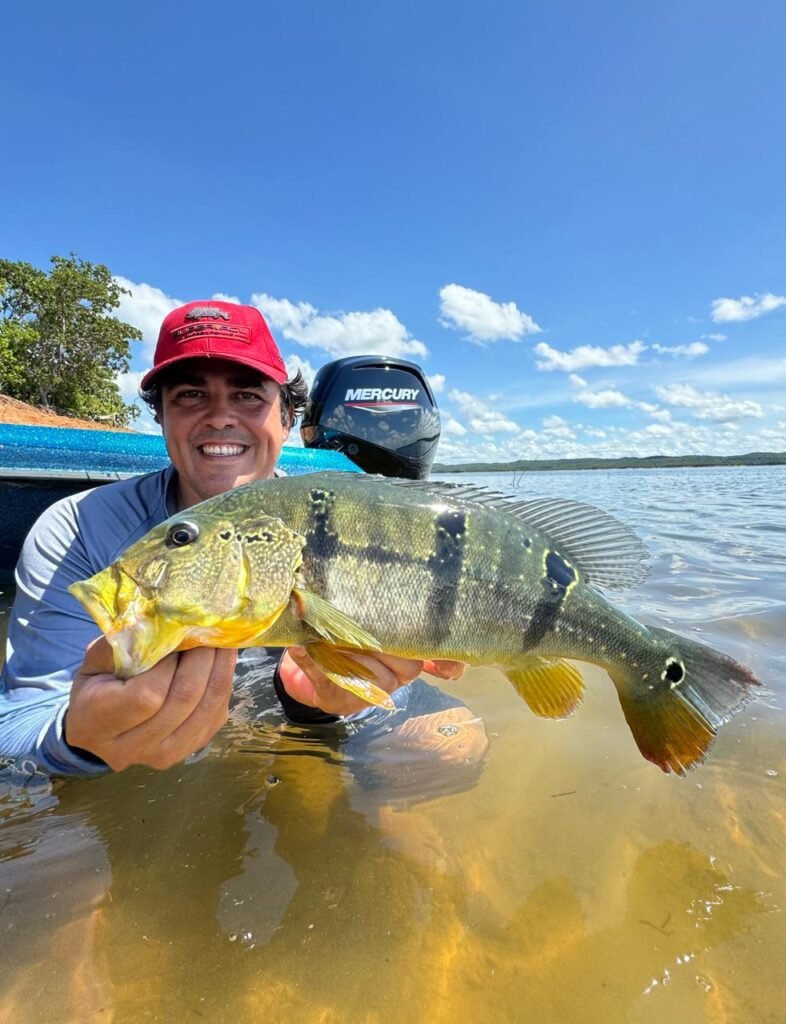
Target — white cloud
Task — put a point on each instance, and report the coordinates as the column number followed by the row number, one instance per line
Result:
column 691, row 351
column 603, row 399
column 555, row 426
column 715, row 337
column 588, row 355
column 128, row 383
column 676, row 438
column 553, row 422
column 346, row 334
column 754, row 371
column 482, row 418
column 748, row 307
column 291, row 318
column 655, row 411
column 294, row 363
column 464, row 309
column 707, row 405
column 576, row 381
column 437, row 382
column 451, row 426
column 145, row 308
column 613, row 399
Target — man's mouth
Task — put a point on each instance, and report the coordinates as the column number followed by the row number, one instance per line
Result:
column 222, row 450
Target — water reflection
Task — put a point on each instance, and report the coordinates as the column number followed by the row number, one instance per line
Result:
column 250, row 889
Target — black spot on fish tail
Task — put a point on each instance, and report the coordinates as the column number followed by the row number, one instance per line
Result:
column 445, row 566
column 322, row 541
column 560, row 576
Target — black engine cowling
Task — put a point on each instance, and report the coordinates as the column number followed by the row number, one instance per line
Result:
column 379, row 411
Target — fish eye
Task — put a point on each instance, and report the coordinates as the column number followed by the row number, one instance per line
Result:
column 181, row 534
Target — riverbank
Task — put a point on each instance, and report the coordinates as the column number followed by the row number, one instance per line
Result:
column 631, row 462
column 20, row 413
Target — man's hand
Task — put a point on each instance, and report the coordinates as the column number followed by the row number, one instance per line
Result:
column 307, row 683
column 157, row 718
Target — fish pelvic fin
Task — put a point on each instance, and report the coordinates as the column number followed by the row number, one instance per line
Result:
column 552, row 688
column 349, row 674
column 331, row 623
column 695, row 690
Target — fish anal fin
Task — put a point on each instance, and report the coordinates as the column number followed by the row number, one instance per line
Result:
column 331, row 623
column 552, row 688
column 349, row 674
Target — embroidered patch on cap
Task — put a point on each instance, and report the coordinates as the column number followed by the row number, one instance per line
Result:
column 202, row 311
column 232, row 332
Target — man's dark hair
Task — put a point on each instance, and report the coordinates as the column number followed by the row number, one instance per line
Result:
column 293, row 392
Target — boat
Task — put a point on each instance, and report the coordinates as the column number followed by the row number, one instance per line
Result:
column 40, row 465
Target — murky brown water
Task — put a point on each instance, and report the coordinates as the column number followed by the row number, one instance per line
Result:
column 283, row 879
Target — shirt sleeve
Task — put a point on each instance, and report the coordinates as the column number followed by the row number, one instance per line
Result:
column 47, row 636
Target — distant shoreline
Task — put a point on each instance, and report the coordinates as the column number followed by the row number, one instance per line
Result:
column 650, row 462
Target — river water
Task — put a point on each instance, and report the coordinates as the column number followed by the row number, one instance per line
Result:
column 557, row 877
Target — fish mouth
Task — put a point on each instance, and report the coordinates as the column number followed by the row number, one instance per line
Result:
column 124, row 613
column 99, row 596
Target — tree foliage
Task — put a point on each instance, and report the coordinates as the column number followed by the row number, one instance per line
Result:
column 60, row 345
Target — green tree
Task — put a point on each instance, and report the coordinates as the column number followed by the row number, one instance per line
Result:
column 60, row 345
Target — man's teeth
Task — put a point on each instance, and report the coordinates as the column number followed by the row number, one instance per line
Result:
column 222, row 449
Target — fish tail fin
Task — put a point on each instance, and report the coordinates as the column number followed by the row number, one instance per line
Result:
column 678, row 697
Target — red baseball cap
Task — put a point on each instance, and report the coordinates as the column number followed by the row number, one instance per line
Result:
column 221, row 330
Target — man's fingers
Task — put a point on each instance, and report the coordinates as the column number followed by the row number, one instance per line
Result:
column 443, row 669
column 98, row 658
column 403, row 670
column 194, row 709
column 176, row 701
column 210, row 713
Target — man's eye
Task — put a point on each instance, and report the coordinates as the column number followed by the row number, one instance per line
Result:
column 189, row 393
column 251, row 396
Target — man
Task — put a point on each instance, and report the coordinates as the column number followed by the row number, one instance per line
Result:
column 220, row 392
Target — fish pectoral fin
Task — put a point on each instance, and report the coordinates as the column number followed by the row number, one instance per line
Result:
column 351, row 675
column 331, row 623
column 552, row 688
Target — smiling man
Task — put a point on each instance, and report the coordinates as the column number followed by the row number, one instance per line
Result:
column 220, row 392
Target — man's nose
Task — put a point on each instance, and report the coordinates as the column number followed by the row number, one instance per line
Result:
column 220, row 412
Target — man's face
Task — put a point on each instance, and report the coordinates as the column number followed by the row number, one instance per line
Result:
column 222, row 425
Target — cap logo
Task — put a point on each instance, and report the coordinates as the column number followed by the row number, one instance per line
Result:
column 198, row 312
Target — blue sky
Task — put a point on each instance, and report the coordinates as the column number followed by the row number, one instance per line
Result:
column 571, row 214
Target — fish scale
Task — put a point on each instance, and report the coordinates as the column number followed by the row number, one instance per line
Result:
column 342, row 563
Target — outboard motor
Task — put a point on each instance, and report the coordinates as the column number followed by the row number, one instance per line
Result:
column 378, row 411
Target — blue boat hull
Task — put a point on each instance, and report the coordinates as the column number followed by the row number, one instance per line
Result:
column 40, row 465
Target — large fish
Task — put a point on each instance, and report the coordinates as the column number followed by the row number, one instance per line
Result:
column 340, row 562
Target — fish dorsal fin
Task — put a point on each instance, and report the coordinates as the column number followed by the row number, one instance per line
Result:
column 605, row 550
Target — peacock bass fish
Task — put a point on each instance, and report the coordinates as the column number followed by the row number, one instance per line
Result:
column 342, row 563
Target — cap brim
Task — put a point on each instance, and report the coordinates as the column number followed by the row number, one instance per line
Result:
column 265, row 368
